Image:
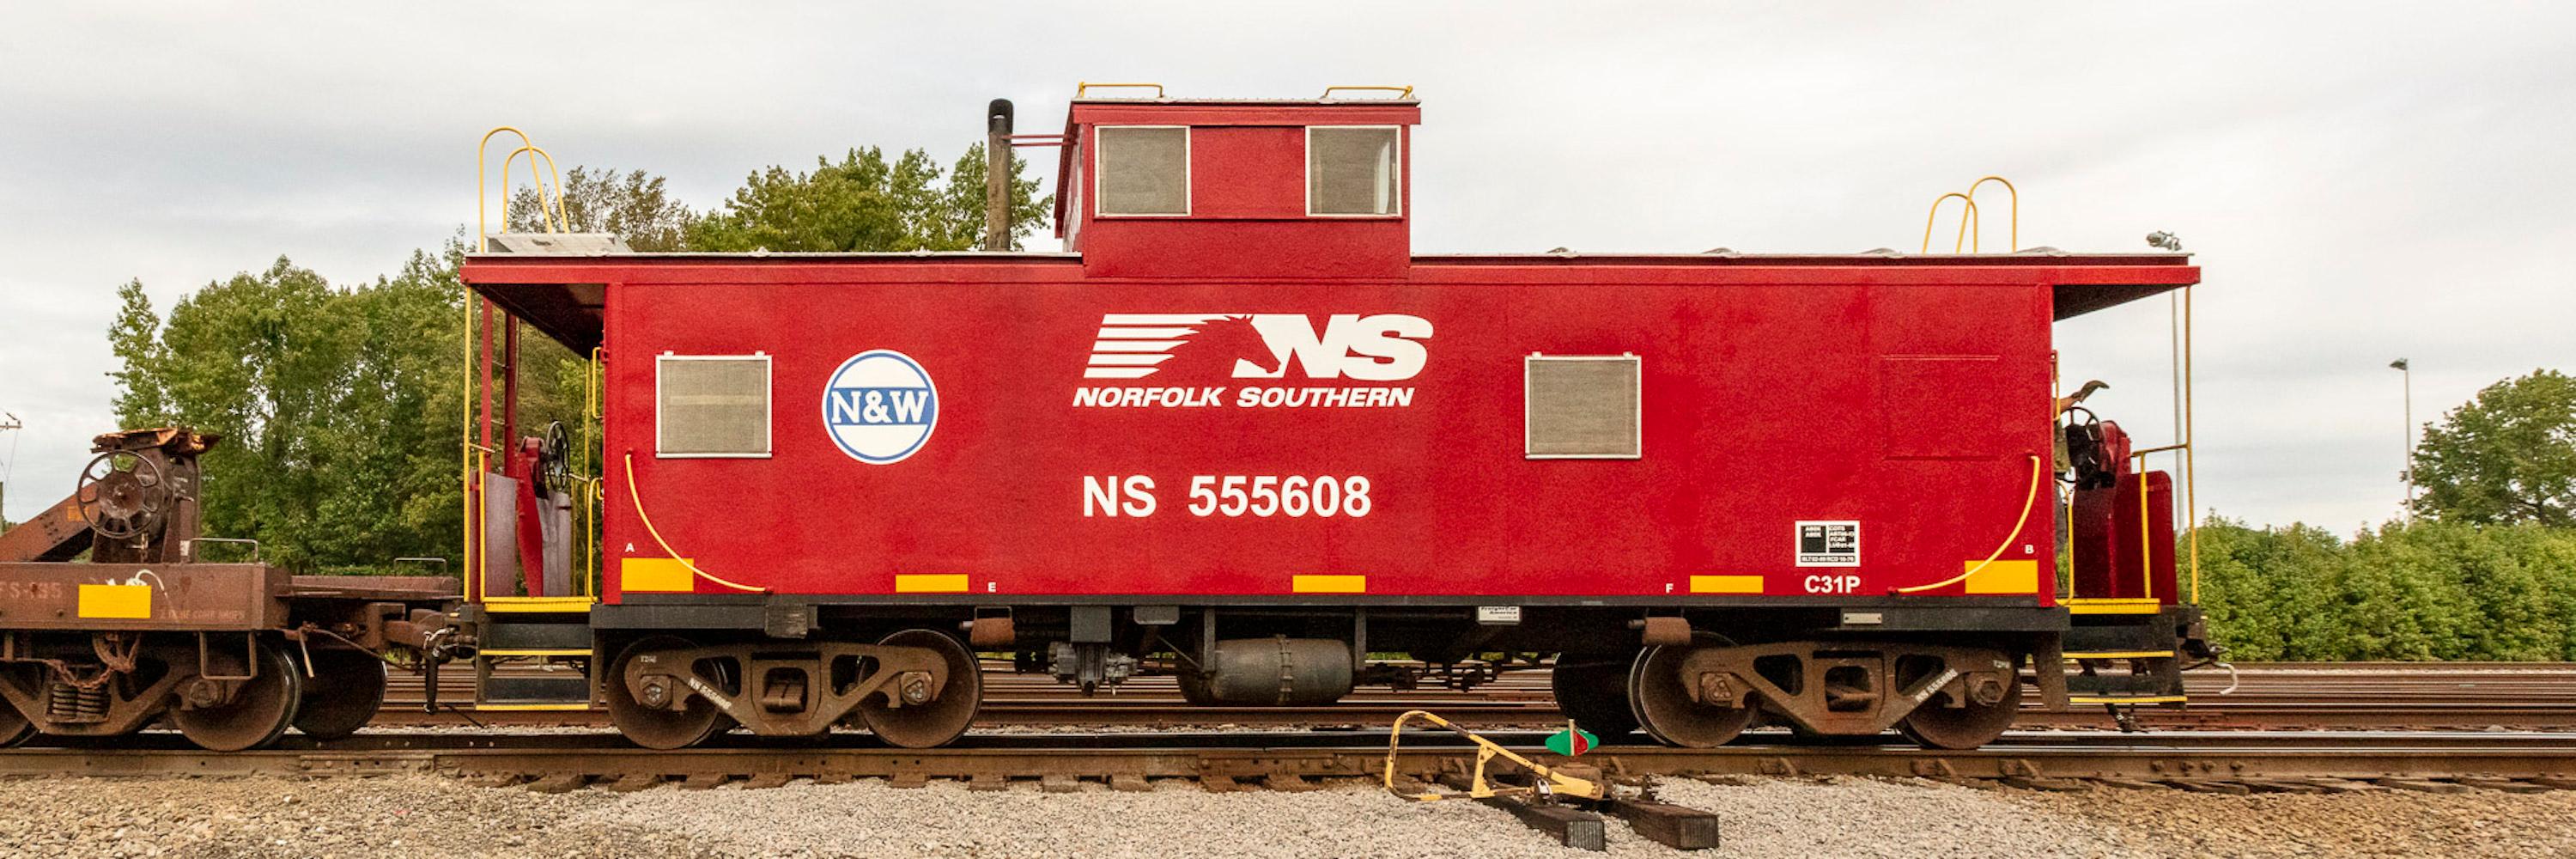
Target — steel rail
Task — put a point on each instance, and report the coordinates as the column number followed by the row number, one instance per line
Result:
column 1357, row 754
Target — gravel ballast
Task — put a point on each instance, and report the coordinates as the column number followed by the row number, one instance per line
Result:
column 431, row 816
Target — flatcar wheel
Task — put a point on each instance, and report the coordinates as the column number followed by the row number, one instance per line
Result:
column 922, row 726
column 655, row 727
column 346, row 689
column 260, row 710
column 1934, row 726
column 1664, row 708
column 15, row 730
column 1592, row 689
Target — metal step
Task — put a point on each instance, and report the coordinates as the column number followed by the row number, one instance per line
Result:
column 550, row 637
column 568, row 689
column 504, row 635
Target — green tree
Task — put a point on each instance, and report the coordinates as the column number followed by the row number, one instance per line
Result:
column 634, row 205
column 2506, row 457
column 135, row 339
column 865, row 203
column 337, row 406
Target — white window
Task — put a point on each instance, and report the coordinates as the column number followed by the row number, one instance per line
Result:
column 1354, row 170
column 1582, row 407
column 711, row 406
column 1143, row 170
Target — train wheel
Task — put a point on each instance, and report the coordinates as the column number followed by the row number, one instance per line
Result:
column 1664, row 708
column 1592, row 690
column 259, row 711
column 15, row 730
column 921, row 726
column 346, row 689
column 656, row 727
column 1934, row 726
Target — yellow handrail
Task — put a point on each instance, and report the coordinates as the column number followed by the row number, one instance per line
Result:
column 473, row 459
column 482, row 172
column 2016, row 206
column 590, row 492
column 2036, row 472
column 1084, row 87
column 1401, row 92
column 2190, row 485
column 637, row 496
column 554, row 219
column 469, row 459
column 1966, row 217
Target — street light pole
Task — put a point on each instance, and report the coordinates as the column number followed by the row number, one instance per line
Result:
column 2407, row 373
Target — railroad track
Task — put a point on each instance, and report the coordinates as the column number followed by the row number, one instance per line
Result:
column 2232, row 761
column 2531, row 696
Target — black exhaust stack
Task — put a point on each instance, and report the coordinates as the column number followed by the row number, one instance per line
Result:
column 997, row 175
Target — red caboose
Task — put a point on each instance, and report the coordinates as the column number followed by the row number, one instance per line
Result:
column 1239, row 432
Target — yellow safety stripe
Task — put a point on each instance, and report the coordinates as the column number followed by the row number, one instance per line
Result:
column 2113, row 606
column 930, row 583
column 539, row 605
column 1726, row 584
column 1343, row 584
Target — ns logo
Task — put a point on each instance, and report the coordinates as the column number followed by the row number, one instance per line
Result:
column 1195, row 347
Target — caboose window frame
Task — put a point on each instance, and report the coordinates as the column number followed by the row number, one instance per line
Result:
column 1100, row 173
column 768, row 408
column 1395, row 195
column 1637, row 402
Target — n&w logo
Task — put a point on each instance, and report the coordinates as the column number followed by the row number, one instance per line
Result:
column 1188, row 348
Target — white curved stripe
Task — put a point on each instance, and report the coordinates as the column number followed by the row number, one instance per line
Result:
column 1158, row 318
column 1145, row 333
column 1135, row 345
column 1117, row 372
column 1108, row 359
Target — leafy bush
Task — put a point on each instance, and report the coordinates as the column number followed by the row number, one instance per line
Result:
column 2425, row 590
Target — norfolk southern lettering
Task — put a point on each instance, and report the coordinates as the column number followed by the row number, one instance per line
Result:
column 1181, row 351
column 1247, row 398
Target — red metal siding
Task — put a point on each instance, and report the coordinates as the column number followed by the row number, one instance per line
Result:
column 1908, row 399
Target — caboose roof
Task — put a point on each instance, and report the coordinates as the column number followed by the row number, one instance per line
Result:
column 561, row 295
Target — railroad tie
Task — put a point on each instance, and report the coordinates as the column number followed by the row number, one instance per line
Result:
column 2421, row 785
column 559, row 783
column 632, row 782
column 1674, row 826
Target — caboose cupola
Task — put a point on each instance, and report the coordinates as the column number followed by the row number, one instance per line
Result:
column 1162, row 187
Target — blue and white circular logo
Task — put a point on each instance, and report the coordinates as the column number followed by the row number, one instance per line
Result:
column 880, row 406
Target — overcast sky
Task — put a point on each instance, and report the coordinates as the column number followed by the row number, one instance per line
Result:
column 2361, row 181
